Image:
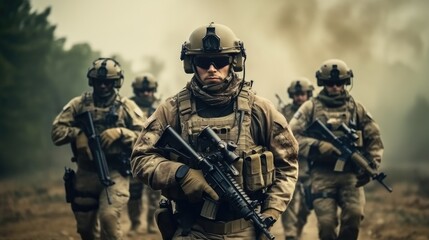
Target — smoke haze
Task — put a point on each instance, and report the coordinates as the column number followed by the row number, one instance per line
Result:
column 384, row 42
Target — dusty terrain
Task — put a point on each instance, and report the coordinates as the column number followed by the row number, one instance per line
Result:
column 33, row 207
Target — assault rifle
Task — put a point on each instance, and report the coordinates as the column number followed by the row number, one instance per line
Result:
column 217, row 169
column 85, row 122
column 347, row 146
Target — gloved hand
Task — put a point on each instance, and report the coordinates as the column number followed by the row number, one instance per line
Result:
column 194, row 185
column 269, row 212
column 109, row 136
column 82, row 145
column 326, row 149
column 362, row 179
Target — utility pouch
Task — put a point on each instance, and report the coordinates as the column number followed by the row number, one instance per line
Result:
column 165, row 219
column 69, row 176
column 268, row 170
column 253, row 178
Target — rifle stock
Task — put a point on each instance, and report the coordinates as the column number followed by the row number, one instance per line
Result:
column 85, row 122
column 348, row 151
column 217, row 170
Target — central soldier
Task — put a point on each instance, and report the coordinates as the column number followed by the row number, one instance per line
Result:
column 217, row 97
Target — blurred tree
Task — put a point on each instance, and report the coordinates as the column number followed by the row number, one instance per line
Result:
column 38, row 78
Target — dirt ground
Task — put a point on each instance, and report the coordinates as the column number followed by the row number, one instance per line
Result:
column 34, row 207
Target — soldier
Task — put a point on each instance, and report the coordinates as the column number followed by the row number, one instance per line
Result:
column 336, row 189
column 217, row 97
column 144, row 88
column 295, row 216
column 118, row 121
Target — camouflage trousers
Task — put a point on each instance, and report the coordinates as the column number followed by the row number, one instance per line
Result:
column 332, row 191
column 295, row 216
column 135, row 205
column 94, row 215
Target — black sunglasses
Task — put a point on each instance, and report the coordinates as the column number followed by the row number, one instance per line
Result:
column 146, row 89
column 105, row 82
column 218, row 61
column 336, row 83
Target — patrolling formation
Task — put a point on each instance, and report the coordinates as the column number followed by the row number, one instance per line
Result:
column 101, row 127
column 144, row 88
column 337, row 180
column 248, row 138
column 295, row 216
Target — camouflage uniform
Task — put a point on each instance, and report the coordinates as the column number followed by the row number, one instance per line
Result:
column 271, row 131
column 218, row 98
column 330, row 189
column 295, row 216
column 135, row 204
column 90, row 203
column 289, row 110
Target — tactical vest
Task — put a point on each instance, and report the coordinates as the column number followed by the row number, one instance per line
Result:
column 234, row 127
column 256, row 167
column 105, row 117
column 147, row 111
column 347, row 114
column 288, row 111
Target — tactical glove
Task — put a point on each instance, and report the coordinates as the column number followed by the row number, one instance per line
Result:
column 194, row 185
column 109, row 136
column 326, row 149
column 269, row 212
column 362, row 179
column 82, row 145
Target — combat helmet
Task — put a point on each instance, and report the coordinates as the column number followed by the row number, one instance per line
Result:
column 301, row 84
column 145, row 81
column 213, row 39
column 106, row 68
column 334, row 70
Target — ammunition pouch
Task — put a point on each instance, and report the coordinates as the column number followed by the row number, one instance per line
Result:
column 259, row 171
column 165, row 219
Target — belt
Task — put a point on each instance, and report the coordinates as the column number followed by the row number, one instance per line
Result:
column 219, row 227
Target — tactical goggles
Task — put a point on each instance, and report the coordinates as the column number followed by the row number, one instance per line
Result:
column 218, row 61
column 336, row 83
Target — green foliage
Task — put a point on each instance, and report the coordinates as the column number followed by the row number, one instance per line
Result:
column 38, row 78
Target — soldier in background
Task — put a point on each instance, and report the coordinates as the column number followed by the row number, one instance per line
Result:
column 295, row 216
column 144, row 88
column 118, row 122
column 217, row 97
column 331, row 189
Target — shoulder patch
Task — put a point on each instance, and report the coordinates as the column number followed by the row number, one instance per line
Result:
column 297, row 115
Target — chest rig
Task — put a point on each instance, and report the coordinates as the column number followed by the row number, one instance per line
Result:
column 233, row 127
column 334, row 117
column 111, row 116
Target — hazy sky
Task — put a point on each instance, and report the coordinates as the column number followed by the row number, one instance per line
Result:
column 385, row 42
